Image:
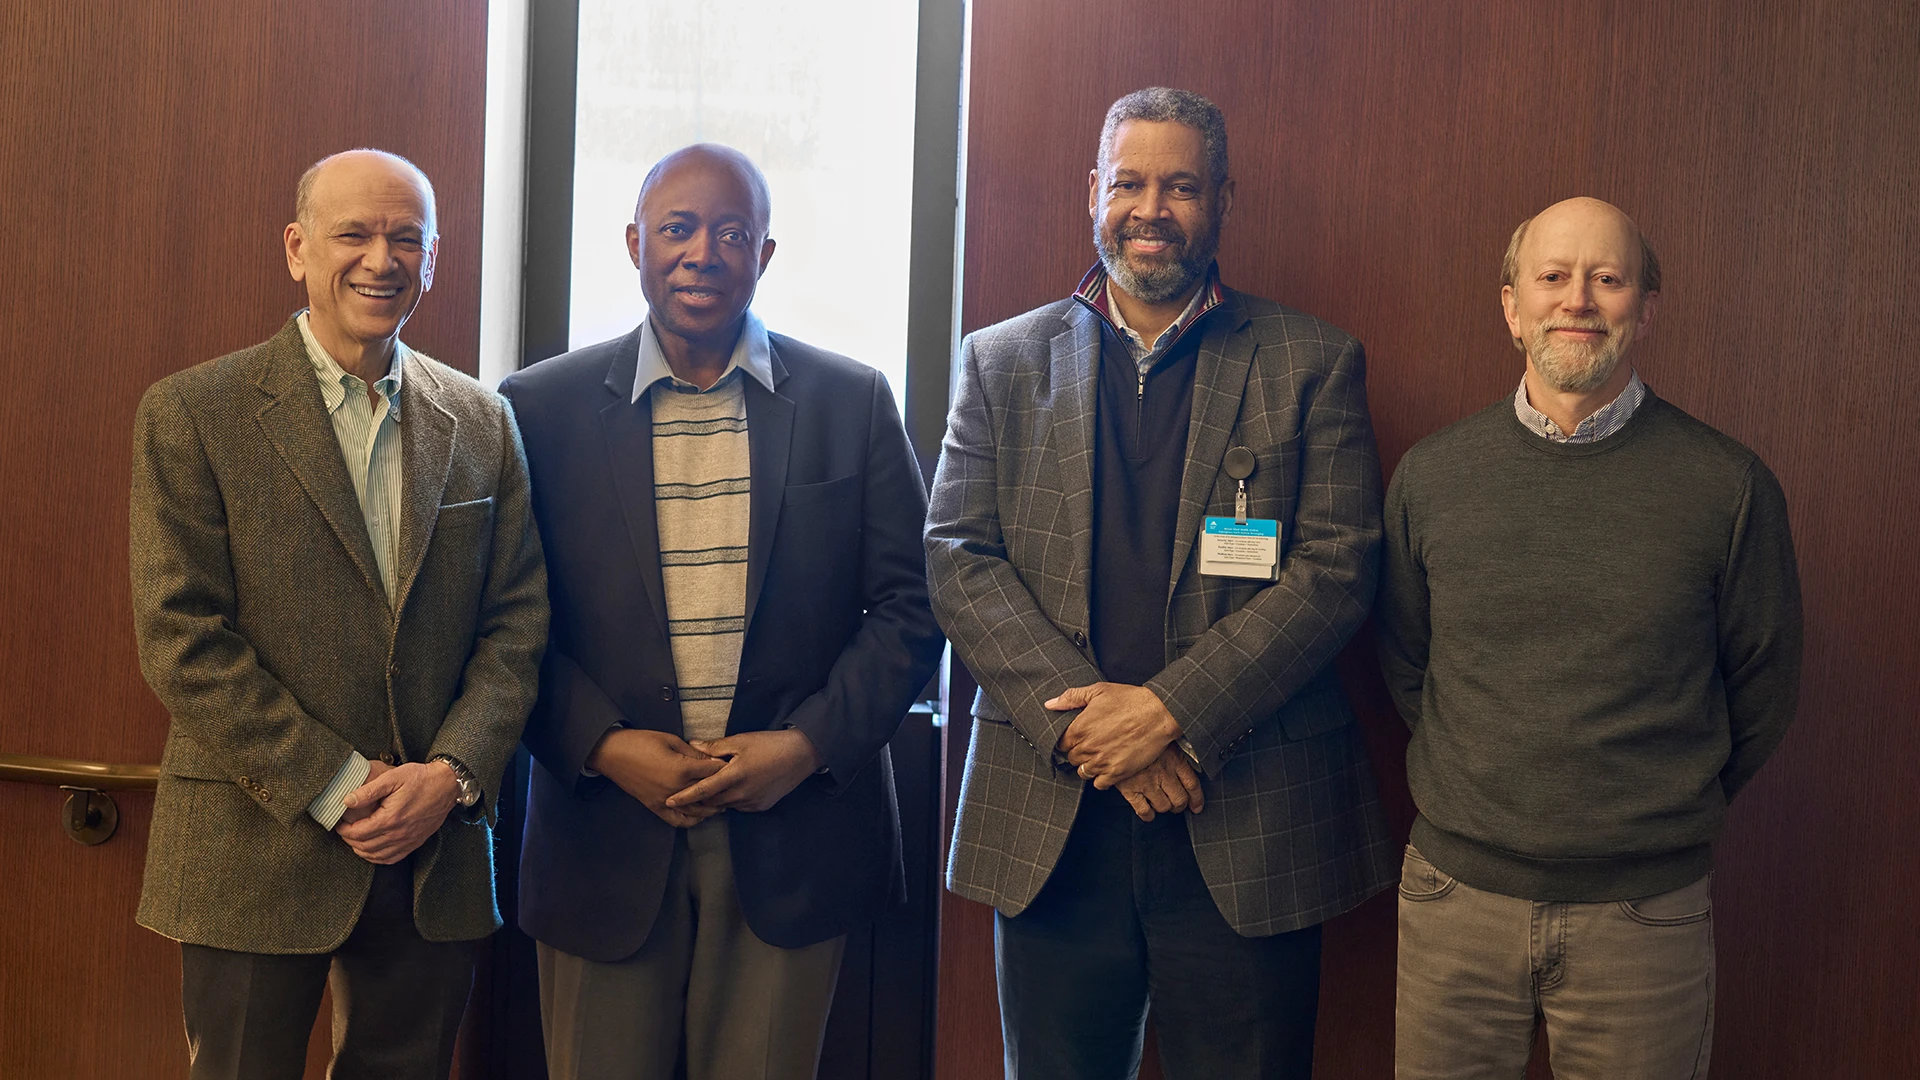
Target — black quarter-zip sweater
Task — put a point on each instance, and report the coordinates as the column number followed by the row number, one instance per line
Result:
column 1140, row 454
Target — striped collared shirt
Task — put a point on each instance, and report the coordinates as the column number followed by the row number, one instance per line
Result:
column 1606, row 420
column 1096, row 291
column 369, row 434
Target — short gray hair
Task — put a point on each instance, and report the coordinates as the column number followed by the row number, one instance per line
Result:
column 1162, row 103
column 303, row 192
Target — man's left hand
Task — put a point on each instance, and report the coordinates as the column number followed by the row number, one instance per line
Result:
column 409, row 803
column 762, row 766
column 1121, row 729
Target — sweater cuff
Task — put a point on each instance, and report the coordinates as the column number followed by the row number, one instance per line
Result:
column 330, row 805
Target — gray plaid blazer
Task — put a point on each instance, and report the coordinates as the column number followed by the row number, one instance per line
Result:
column 1292, row 833
column 265, row 631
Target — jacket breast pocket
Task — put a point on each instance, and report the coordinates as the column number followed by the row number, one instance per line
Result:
column 823, row 492
column 463, row 515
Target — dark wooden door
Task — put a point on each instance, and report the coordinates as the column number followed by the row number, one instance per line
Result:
column 1384, row 153
column 148, row 154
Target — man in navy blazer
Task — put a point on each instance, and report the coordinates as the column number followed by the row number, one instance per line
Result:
column 732, row 521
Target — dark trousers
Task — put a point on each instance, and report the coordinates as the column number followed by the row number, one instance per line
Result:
column 1125, row 922
column 397, row 999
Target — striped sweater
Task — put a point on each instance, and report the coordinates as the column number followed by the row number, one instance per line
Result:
column 701, row 479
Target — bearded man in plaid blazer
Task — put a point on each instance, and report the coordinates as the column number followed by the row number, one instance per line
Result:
column 1165, row 793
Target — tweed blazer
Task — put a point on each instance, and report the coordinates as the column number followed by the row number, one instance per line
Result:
column 265, row 631
column 1292, row 831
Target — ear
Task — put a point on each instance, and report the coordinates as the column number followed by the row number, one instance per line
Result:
column 1093, row 194
column 1645, row 321
column 1509, row 307
column 766, row 255
column 427, row 264
column 1227, row 188
column 633, row 243
column 296, row 241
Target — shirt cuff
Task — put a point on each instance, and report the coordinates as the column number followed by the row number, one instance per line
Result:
column 1186, row 747
column 330, row 805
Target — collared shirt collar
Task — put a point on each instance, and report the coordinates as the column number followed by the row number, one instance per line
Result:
column 1607, row 420
column 1094, row 292
column 333, row 388
column 752, row 353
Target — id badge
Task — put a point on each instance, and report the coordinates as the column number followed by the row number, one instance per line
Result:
column 1242, row 549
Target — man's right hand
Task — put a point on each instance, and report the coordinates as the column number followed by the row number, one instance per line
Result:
column 651, row 765
column 1168, row 785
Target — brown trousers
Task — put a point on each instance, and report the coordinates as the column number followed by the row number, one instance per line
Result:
column 397, row 999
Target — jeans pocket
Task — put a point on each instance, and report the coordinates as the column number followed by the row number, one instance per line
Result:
column 1420, row 880
column 1677, row 907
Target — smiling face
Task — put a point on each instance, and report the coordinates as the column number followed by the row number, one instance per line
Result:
column 699, row 241
column 1156, row 211
column 365, row 251
column 1576, row 306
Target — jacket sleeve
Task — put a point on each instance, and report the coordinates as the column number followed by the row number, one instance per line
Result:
column 1017, row 654
column 1758, row 609
column 184, row 613
column 1402, row 618
column 499, row 681
column 1248, row 664
column 894, row 651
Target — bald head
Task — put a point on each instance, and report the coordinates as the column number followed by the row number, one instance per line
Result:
column 1590, row 217
column 713, row 163
column 355, row 170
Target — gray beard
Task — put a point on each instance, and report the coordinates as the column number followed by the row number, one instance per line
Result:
column 1158, row 284
column 1572, row 368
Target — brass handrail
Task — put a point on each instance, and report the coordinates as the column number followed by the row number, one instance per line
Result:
column 72, row 772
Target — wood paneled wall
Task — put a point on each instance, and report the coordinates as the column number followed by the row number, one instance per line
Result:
column 1384, row 152
column 148, row 154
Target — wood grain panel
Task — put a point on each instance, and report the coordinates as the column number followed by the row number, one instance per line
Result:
column 148, row 154
column 1384, row 153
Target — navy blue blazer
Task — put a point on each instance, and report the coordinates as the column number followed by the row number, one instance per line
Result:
column 839, row 640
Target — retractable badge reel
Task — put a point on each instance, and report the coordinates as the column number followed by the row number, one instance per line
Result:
column 1240, row 546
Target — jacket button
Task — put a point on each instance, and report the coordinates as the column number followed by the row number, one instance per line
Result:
column 265, row 795
column 1080, row 638
column 666, row 693
column 387, row 758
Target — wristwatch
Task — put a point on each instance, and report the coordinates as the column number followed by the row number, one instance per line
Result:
column 464, row 783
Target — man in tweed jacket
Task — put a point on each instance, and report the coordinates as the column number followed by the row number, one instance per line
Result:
column 1164, row 776
column 339, row 596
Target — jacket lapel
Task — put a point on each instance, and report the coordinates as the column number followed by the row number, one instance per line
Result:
column 1076, row 377
column 628, row 428
column 426, row 453
column 295, row 422
column 1219, row 383
column 769, row 437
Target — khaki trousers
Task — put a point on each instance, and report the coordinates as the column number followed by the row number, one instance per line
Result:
column 740, row 1008
column 1624, row 987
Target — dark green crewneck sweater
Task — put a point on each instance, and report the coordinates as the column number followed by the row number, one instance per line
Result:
column 1595, row 645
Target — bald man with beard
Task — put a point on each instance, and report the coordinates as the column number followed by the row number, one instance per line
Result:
column 741, row 623
column 1590, row 619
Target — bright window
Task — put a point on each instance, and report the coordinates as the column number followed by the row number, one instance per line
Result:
column 820, row 96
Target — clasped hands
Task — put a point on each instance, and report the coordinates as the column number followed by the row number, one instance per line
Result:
column 1123, row 738
column 686, row 783
column 397, row 808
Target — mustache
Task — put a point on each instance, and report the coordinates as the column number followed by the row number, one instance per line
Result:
column 1596, row 325
column 1171, row 233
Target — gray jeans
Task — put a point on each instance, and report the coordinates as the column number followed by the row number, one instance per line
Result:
column 1625, row 987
